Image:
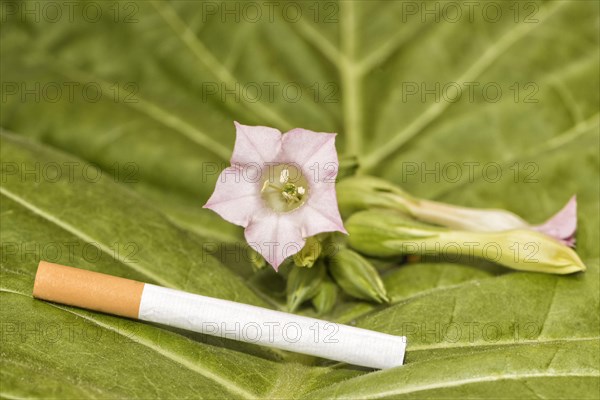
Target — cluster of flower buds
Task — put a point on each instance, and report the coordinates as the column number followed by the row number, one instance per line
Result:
column 317, row 276
column 385, row 221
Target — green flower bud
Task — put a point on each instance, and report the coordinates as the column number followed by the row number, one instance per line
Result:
column 303, row 284
column 386, row 234
column 326, row 296
column 309, row 253
column 362, row 192
column 356, row 276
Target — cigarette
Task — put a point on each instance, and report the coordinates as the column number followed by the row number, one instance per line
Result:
column 223, row 318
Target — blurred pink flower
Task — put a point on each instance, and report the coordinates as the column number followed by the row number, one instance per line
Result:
column 563, row 224
column 280, row 187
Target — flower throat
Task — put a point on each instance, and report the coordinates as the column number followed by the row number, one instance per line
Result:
column 284, row 188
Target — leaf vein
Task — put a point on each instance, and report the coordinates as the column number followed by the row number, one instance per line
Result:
column 475, row 69
column 229, row 385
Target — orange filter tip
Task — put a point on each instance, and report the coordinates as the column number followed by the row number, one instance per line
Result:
column 86, row 289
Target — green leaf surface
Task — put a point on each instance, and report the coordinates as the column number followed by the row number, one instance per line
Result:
column 566, row 369
column 146, row 142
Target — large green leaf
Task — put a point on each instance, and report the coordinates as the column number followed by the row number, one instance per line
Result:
column 158, row 139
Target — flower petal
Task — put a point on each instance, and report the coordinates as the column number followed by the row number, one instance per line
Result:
column 255, row 145
column 321, row 213
column 563, row 224
column 305, row 148
column 275, row 236
column 237, row 195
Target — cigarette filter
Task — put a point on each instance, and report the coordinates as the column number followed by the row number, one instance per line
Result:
column 217, row 317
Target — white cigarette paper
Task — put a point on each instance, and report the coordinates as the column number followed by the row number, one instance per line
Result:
column 217, row 317
column 270, row 328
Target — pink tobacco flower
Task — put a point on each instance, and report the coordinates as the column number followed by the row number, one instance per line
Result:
column 563, row 224
column 280, row 187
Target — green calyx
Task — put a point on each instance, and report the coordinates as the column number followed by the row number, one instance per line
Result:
column 326, row 296
column 357, row 277
column 358, row 193
column 303, row 284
